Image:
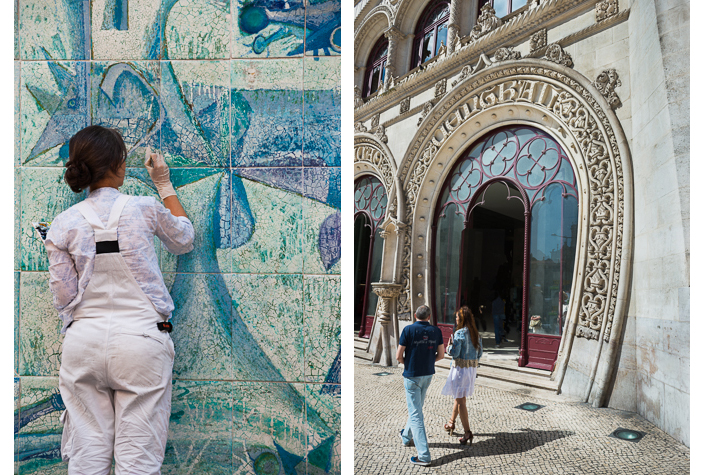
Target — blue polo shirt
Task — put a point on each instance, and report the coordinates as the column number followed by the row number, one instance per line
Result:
column 421, row 341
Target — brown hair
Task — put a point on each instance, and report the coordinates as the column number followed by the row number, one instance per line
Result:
column 93, row 151
column 466, row 319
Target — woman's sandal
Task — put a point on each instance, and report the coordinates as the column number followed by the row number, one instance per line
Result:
column 467, row 437
column 450, row 426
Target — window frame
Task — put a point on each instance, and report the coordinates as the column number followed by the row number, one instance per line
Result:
column 424, row 27
column 373, row 61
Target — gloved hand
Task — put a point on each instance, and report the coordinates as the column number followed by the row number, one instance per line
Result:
column 159, row 173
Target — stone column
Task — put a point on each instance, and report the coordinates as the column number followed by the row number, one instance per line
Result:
column 452, row 37
column 394, row 37
column 385, row 336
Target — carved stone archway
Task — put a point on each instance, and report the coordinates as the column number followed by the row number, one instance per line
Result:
column 568, row 106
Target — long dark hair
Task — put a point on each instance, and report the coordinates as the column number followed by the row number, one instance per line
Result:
column 465, row 319
column 93, row 152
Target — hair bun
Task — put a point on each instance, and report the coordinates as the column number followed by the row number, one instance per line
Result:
column 78, row 175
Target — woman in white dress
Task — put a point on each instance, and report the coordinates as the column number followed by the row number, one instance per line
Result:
column 465, row 349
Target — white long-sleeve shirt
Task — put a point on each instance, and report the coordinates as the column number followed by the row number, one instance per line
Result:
column 71, row 249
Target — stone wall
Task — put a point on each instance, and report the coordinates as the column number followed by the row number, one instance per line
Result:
column 247, row 114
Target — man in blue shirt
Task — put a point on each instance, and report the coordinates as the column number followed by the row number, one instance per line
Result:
column 420, row 346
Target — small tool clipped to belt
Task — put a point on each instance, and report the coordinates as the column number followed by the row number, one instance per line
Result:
column 165, row 326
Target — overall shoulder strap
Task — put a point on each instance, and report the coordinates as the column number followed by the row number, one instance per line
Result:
column 116, row 211
column 90, row 215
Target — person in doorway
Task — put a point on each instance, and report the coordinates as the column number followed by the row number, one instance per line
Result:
column 420, row 346
column 465, row 349
column 498, row 311
column 117, row 355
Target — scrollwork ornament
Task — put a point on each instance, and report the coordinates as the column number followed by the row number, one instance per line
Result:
column 606, row 8
column 379, row 132
column 440, row 88
column 505, row 53
column 425, row 111
column 556, row 54
column 375, row 121
column 404, row 105
column 360, row 127
column 606, row 82
column 487, row 21
column 538, row 40
column 587, row 333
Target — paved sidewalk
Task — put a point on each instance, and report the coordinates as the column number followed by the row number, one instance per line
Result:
column 561, row 438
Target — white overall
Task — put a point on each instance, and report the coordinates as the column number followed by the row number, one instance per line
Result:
column 115, row 377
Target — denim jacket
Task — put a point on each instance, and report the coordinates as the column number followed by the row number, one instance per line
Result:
column 462, row 347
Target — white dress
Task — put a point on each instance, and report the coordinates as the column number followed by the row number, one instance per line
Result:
column 462, row 375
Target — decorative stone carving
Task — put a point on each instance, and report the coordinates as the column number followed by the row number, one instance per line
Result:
column 487, row 21
column 404, row 105
column 379, row 132
column 368, row 151
column 385, row 339
column 442, row 50
column 360, row 127
column 504, row 54
column 606, row 8
column 358, row 97
column 556, row 54
column 538, row 40
column 440, row 88
column 606, row 82
column 468, row 70
column 375, row 121
column 574, row 106
column 427, row 108
column 587, row 333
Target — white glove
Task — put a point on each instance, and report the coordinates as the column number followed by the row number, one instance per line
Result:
column 159, row 173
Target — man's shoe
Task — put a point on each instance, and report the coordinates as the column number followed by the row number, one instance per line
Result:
column 416, row 461
column 408, row 444
column 497, row 346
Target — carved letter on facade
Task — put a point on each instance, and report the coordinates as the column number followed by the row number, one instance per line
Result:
column 606, row 82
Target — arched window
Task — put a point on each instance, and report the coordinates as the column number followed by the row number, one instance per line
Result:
column 431, row 32
column 370, row 205
column 506, row 224
column 375, row 71
column 505, row 7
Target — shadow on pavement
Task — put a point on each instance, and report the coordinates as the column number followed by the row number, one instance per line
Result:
column 499, row 443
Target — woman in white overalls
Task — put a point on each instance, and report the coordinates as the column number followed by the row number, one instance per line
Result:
column 117, row 356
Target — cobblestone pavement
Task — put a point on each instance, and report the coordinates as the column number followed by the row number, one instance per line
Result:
column 560, row 438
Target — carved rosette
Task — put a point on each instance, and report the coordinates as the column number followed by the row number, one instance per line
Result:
column 538, row 40
column 571, row 104
column 504, row 54
column 425, row 111
column 606, row 8
column 440, row 88
column 404, row 105
column 606, row 82
column 487, row 22
column 556, row 54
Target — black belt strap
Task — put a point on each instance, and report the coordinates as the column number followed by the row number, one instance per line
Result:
column 165, row 326
column 107, row 247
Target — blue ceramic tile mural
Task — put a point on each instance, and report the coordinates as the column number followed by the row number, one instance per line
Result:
column 243, row 99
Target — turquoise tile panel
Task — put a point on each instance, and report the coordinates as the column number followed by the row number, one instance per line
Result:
column 267, row 221
column 54, row 29
column 44, row 195
column 126, row 96
column 321, row 220
column 202, row 327
column 16, row 326
column 17, row 218
column 321, row 310
column 323, row 28
column 269, row 428
column 322, row 97
column 267, row 326
column 268, row 29
column 17, row 414
column 53, row 107
column 195, row 97
column 126, row 30
column 200, row 435
column 16, row 101
column 267, row 113
column 324, row 440
column 40, row 432
column 40, row 340
column 197, row 29
column 15, row 11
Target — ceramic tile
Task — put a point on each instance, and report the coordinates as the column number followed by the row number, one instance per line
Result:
column 54, row 29
column 321, row 221
column 267, row 326
column 200, row 435
column 264, row 28
column 53, row 107
column 126, row 96
column 269, row 428
column 126, row 30
column 40, row 340
column 267, row 113
column 323, row 32
column 324, row 437
column 40, row 432
column 321, row 311
column 197, row 29
column 322, row 97
column 17, row 415
column 16, row 332
column 17, row 76
column 202, row 327
column 16, row 36
column 273, row 241
column 44, row 195
column 17, row 222
column 195, row 97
